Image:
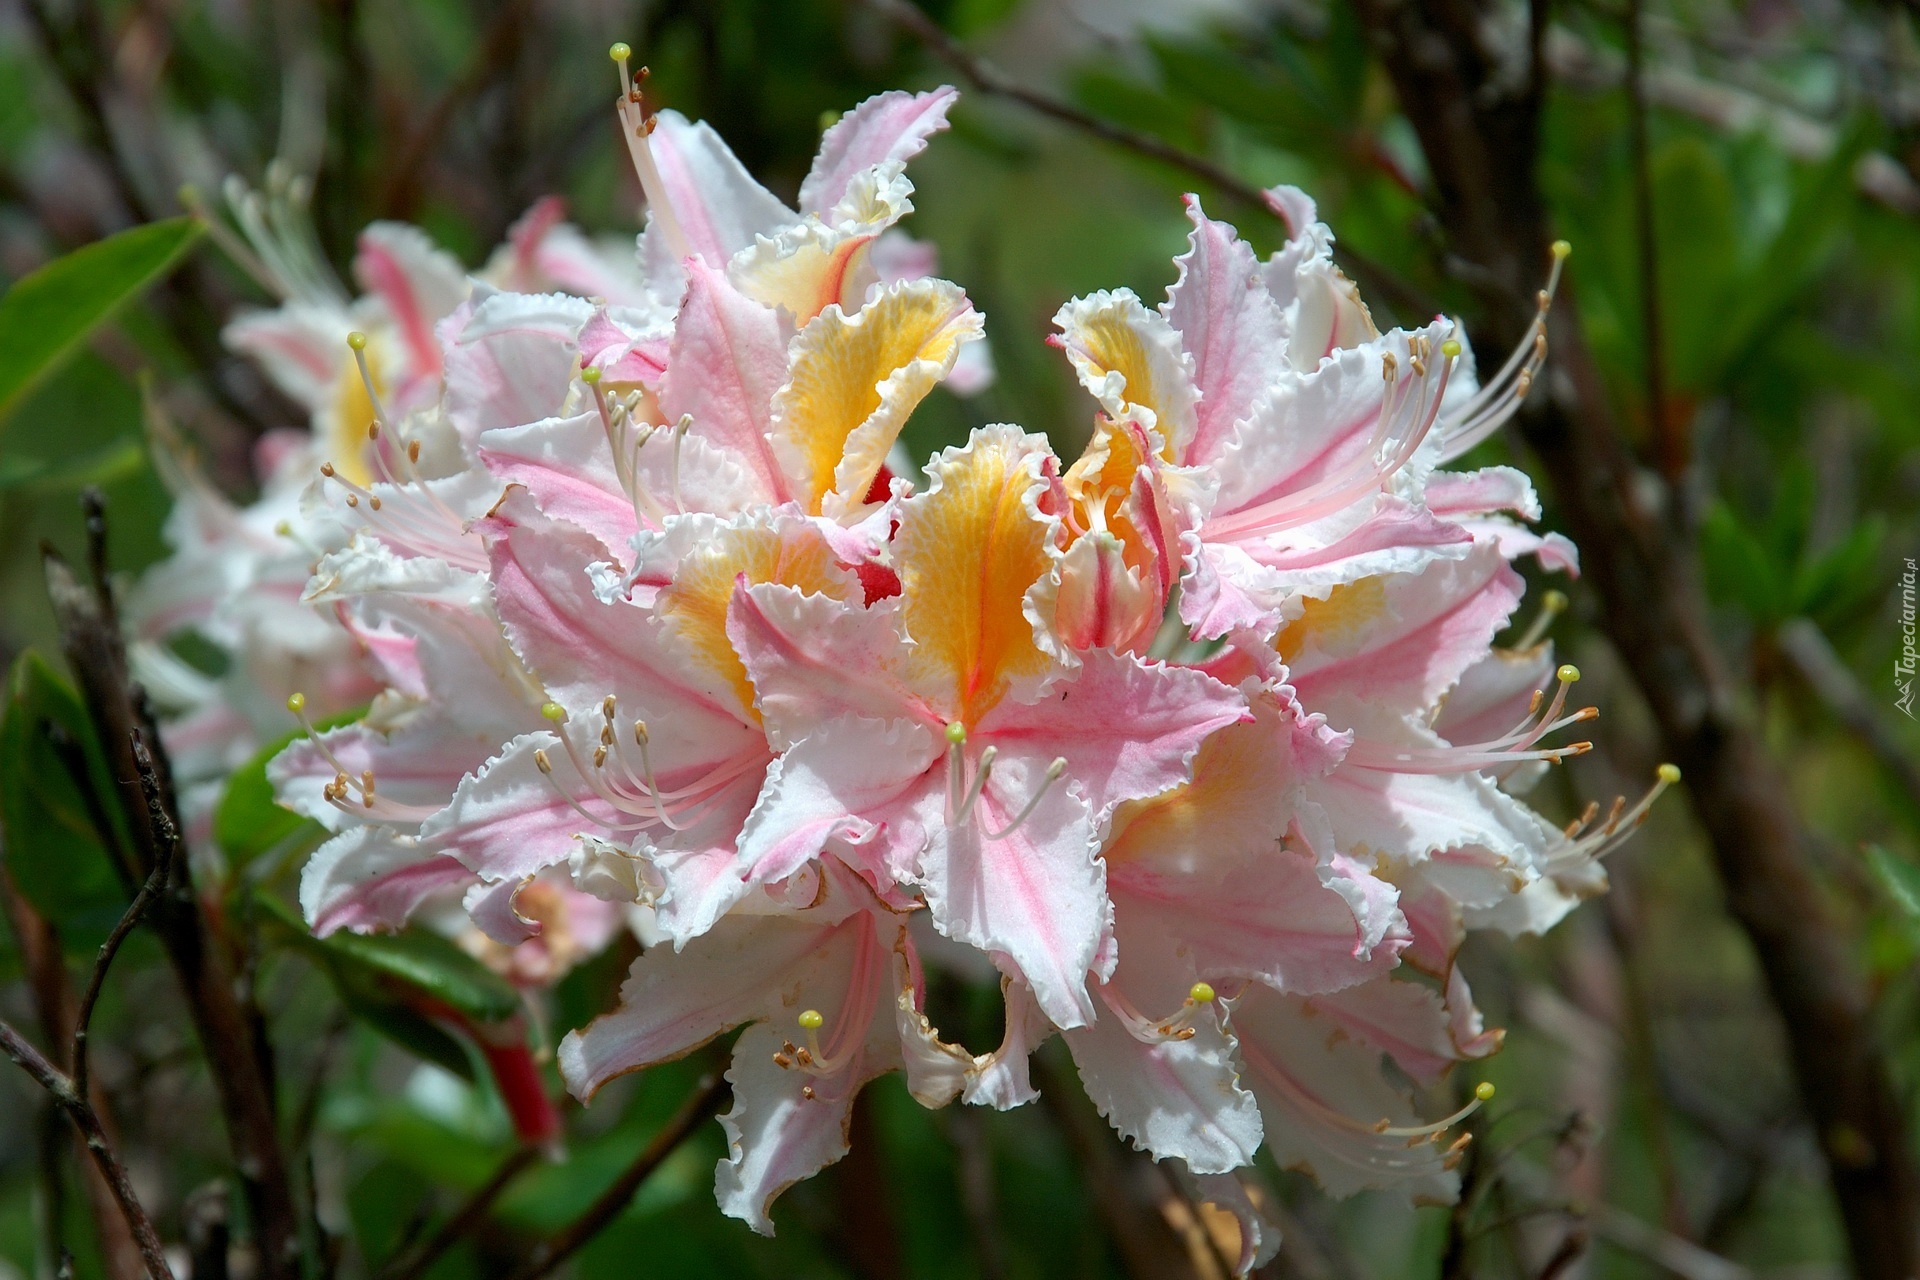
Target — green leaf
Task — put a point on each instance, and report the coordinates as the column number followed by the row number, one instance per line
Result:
column 1739, row 571
column 56, row 855
column 1698, row 234
column 248, row 821
column 1834, row 584
column 44, row 316
column 101, row 466
column 1900, row 878
column 403, row 985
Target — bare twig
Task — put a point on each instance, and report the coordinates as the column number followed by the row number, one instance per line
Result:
column 499, row 46
column 46, row 971
column 612, row 1202
column 990, row 80
column 1129, row 1190
column 1669, row 438
column 129, row 920
column 81, row 1112
column 1481, row 138
column 455, row 1228
column 123, row 725
column 1815, row 662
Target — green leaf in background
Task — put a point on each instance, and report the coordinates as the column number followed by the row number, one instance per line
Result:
column 393, row 982
column 1846, row 576
column 55, row 854
column 44, row 316
column 1900, row 878
column 102, row 466
column 1739, row 570
column 248, row 821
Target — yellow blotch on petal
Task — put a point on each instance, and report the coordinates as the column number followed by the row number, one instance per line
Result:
column 791, row 553
column 1234, row 774
column 345, row 441
column 967, row 552
column 855, row 379
column 1129, row 358
column 1335, row 622
column 809, row 275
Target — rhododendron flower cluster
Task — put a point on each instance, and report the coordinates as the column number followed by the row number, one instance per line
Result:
column 1201, row 739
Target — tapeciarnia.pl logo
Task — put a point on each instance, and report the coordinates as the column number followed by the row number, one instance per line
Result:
column 1904, row 664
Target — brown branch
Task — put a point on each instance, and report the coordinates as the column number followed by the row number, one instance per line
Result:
column 1480, row 134
column 1129, row 1190
column 1814, row 661
column 46, row 972
column 129, row 920
column 499, row 46
column 1669, row 436
column 455, row 1228
column 990, row 80
column 123, row 725
column 80, row 1111
column 549, row 1254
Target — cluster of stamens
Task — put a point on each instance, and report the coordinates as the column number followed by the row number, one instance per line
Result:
column 1497, row 401
column 627, row 434
column 1596, row 836
column 963, row 796
column 635, row 795
column 1408, row 411
column 276, row 245
column 1513, row 747
column 349, row 792
column 422, row 523
column 1176, row 1028
column 1394, row 1140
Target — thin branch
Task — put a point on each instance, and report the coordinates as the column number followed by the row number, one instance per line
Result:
column 1482, row 142
column 990, row 80
column 123, row 725
column 454, row 1229
column 78, row 1110
column 549, row 1254
column 1814, row 660
column 1669, row 436
column 129, row 919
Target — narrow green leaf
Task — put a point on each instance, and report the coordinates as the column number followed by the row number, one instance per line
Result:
column 1738, row 569
column 402, row 985
column 101, row 466
column 55, row 853
column 46, row 315
column 1900, row 878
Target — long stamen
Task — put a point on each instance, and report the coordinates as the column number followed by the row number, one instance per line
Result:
column 636, row 125
column 1180, row 1026
column 1597, row 841
column 1552, row 605
column 641, row 738
column 1403, row 1137
column 980, row 773
column 680, row 430
column 340, row 791
column 1054, row 770
column 1482, row 1094
column 1497, row 753
column 1496, row 402
column 956, row 768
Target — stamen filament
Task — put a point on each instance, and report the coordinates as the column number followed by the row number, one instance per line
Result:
column 1054, row 770
column 636, row 125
